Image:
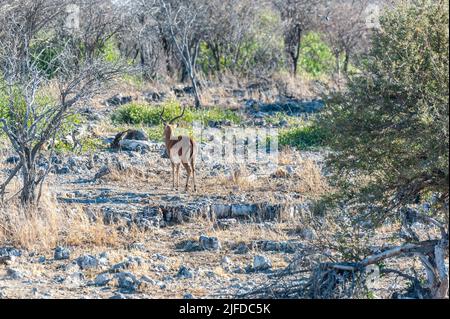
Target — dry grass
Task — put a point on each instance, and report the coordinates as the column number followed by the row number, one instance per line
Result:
column 300, row 86
column 219, row 90
column 51, row 224
column 307, row 180
column 311, row 180
column 288, row 156
column 129, row 174
column 238, row 179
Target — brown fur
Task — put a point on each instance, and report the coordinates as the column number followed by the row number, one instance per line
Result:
column 189, row 165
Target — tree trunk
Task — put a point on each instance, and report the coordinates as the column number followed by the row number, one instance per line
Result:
column 346, row 62
column 214, row 47
column 293, row 42
column 193, row 76
column 28, row 193
column 185, row 73
column 29, row 181
column 338, row 64
column 143, row 62
column 195, row 87
column 296, row 56
column 436, row 270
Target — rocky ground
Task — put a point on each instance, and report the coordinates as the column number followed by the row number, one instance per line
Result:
column 225, row 239
column 240, row 227
column 245, row 224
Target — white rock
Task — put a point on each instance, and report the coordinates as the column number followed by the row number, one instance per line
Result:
column 102, row 279
column 134, row 145
column 261, row 263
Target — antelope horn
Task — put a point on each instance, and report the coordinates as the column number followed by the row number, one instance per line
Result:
column 161, row 116
column 178, row 117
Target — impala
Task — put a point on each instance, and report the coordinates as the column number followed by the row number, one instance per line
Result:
column 182, row 150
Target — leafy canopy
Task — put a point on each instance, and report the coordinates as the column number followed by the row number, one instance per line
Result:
column 389, row 130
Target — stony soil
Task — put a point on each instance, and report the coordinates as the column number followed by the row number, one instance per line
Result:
column 251, row 231
column 244, row 224
column 241, row 226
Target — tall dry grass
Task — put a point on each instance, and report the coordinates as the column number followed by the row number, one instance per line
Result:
column 50, row 224
column 311, row 180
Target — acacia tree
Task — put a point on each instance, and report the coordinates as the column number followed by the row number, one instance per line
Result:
column 390, row 134
column 31, row 115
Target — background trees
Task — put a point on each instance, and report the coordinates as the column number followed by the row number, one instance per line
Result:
column 183, row 22
column 345, row 28
column 256, row 38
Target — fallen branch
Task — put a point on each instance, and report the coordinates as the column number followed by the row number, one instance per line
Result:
column 348, row 280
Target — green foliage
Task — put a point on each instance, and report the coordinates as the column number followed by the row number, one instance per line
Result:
column 259, row 49
column 389, row 131
column 46, row 60
column 88, row 145
column 110, row 51
column 316, row 57
column 70, row 123
column 44, row 51
column 155, row 133
column 43, row 100
column 371, row 294
column 3, row 102
column 302, row 137
column 145, row 114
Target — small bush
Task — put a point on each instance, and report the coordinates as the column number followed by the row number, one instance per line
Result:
column 316, row 56
column 88, row 145
column 145, row 114
column 155, row 133
column 110, row 51
column 305, row 137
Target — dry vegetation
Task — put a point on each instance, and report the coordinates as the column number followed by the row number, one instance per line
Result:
column 53, row 224
column 274, row 56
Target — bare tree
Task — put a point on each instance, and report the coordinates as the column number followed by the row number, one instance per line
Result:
column 299, row 17
column 34, row 116
column 144, row 42
column 230, row 26
column 345, row 29
column 182, row 21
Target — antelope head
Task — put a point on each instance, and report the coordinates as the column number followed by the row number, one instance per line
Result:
column 169, row 124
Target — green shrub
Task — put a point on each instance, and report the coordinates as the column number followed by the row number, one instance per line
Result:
column 316, row 57
column 43, row 100
column 3, row 104
column 304, row 137
column 155, row 133
column 389, row 130
column 88, row 145
column 110, row 51
column 145, row 114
